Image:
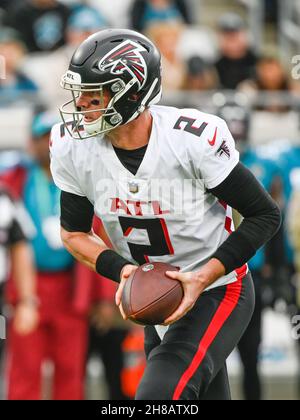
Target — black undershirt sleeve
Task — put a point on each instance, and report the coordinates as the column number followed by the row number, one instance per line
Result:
column 262, row 217
column 76, row 213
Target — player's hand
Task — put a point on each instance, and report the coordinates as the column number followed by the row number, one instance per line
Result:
column 125, row 274
column 193, row 285
column 26, row 318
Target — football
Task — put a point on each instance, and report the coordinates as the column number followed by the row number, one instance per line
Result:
column 149, row 296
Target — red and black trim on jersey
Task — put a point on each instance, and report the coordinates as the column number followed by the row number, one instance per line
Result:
column 222, row 314
column 190, row 362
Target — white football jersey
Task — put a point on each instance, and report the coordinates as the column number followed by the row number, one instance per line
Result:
column 165, row 212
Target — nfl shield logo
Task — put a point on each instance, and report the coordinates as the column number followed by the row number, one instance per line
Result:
column 133, row 187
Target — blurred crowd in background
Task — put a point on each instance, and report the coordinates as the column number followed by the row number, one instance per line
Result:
column 235, row 58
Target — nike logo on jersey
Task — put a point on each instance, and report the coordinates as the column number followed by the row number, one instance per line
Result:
column 213, row 141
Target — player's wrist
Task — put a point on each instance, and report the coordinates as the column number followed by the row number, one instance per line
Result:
column 211, row 272
column 110, row 264
column 124, row 268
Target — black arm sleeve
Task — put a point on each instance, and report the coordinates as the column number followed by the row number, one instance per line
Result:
column 76, row 213
column 262, row 217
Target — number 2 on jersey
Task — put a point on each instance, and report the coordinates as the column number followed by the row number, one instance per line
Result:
column 160, row 243
column 189, row 126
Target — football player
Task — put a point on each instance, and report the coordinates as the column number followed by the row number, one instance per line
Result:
column 16, row 256
column 163, row 181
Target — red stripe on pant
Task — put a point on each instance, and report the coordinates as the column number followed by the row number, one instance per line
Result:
column 225, row 309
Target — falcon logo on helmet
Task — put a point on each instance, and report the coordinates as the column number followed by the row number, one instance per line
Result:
column 126, row 57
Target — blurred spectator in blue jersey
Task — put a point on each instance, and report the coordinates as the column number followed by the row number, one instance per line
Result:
column 14, row 84
column 237, row 59
column 148, row 12
column 264, row 264
column 288, row 158
column 61, row 335
column 293, row 223
column 286, row 155
column 41, row 23
column 294, row 236
column 83, row 22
